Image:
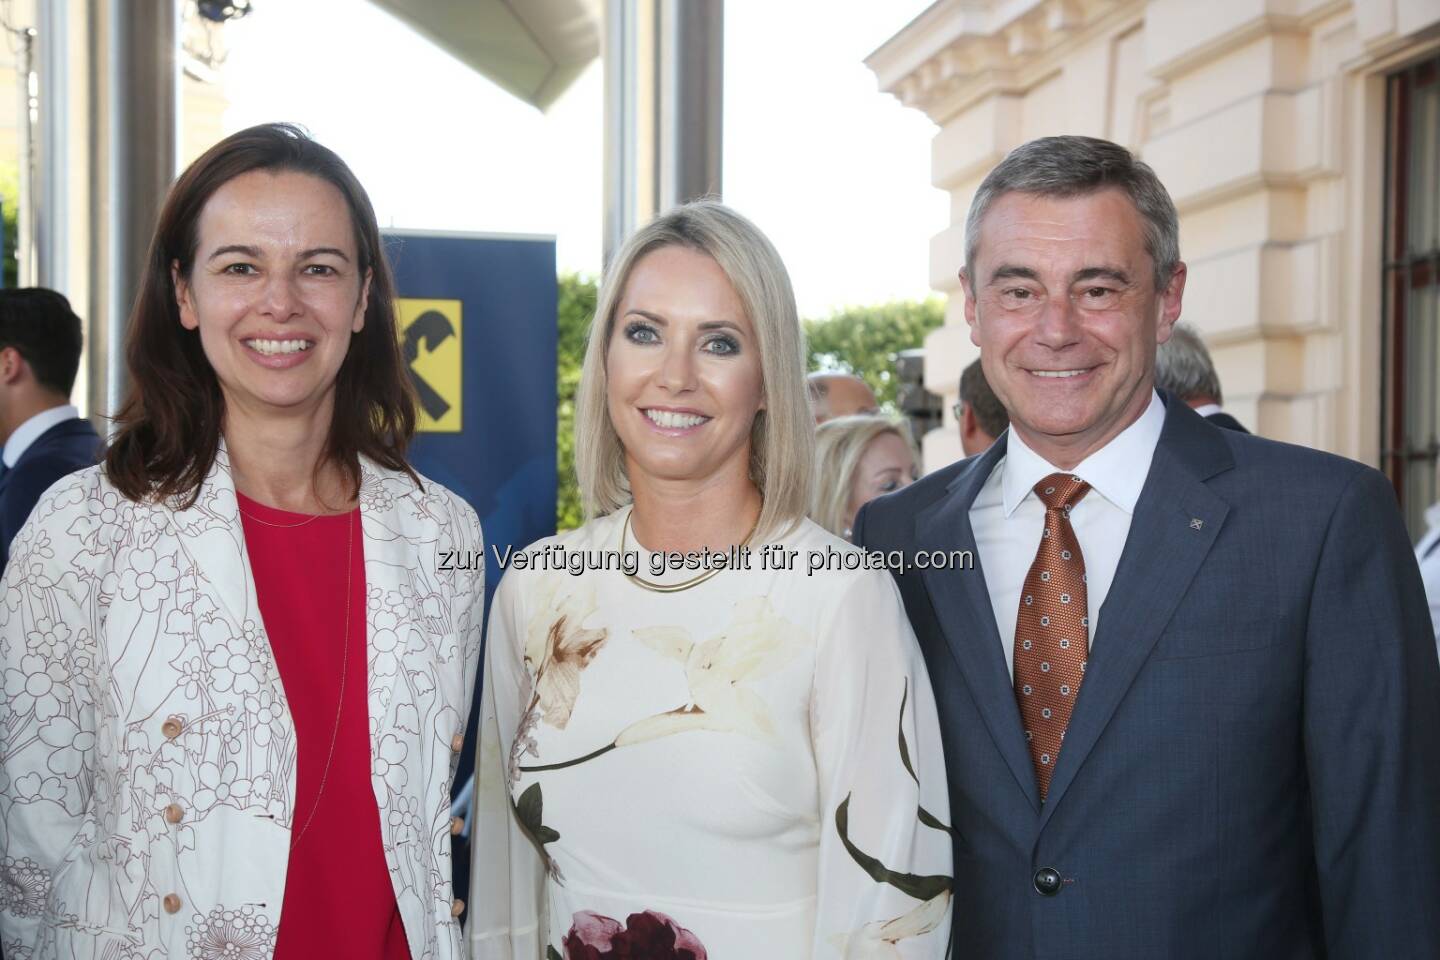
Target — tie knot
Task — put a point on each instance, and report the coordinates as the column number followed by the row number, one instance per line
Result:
column 1061, row 491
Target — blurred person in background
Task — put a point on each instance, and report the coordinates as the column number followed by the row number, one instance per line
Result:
column 730, row 760
column 43, row 435
column 236, row 678
column 839, row 395
column 1184, row 370
column 857, row 459
column 980, row 413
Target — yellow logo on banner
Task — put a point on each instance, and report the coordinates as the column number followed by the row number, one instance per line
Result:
column 430, row 343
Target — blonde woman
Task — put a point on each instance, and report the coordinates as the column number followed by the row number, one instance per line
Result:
column 857, row 459
column 734, row 758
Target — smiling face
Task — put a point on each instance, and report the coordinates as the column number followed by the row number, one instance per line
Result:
column 1062, row 302
column 683, row 372
column 275, row 290
column 886, row 465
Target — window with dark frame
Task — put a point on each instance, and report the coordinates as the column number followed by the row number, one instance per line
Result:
column 1410, row 403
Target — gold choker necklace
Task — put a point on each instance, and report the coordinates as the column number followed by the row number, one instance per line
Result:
column 693, row 581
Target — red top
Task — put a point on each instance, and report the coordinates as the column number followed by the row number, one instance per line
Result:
column 339, row 901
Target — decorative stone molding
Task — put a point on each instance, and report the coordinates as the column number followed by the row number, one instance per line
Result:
column 960, row 50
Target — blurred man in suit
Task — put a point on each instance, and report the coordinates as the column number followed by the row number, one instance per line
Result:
column 1184, row 370
column 1189, row 698
column 44, row 438
column 839, row 395
column 980, row 413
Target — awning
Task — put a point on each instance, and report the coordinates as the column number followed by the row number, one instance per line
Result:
column 532, row 48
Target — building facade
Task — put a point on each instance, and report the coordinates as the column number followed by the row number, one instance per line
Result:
column 1300, row 140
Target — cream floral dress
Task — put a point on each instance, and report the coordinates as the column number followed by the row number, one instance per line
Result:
column 747, row 769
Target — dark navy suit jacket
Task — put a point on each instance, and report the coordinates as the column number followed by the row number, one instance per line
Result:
column 64, row 448
column 1253, row 766
column 1223, row 419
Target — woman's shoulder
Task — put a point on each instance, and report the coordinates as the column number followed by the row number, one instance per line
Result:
column 832, row 563
column 382, row 487
column 557, row 555
column 82, row 512
column 84, row 493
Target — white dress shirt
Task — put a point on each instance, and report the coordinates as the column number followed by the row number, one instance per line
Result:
column 31, row 430
column 1427, row 552
column 1008, row 517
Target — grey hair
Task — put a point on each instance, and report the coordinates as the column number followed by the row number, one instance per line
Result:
column 1073, row 166
column 1183, row 367
column 782, row 438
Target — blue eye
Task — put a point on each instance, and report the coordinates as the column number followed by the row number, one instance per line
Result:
column 643, row 333
column 722, row 346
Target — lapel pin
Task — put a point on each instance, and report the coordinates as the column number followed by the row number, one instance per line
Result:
column 1196, row 523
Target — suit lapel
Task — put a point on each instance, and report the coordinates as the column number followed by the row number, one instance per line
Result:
column 1176, row 522
column 967, row 618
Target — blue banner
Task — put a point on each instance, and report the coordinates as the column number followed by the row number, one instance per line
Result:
column 477, row 326
column 478, row 330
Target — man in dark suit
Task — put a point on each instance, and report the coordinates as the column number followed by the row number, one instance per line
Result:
column 1188, row 692
column 44, row 438
column 1184, row 370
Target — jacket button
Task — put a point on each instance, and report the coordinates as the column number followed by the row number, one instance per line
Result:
column 457, row 742
column 456, row 825
column 171, row 903
column 457, row 908
column 1047, row 882
column 174, row 813
column 172, row 728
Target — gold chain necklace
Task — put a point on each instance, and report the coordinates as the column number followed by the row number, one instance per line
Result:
column 280, row 526
column 344, row 670
column 693, row 581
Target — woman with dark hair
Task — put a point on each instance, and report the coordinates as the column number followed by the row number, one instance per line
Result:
column 236, row 680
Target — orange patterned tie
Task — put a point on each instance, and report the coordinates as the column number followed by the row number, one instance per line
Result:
column 1052, row 633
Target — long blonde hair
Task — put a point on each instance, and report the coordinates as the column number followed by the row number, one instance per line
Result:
column 782, row 444
column 839, row 445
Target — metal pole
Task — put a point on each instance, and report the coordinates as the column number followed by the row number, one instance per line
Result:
column 618, row 56
column 663, row 78
column 25, row 216
column 52, row 161
column 691, row 99
column 134, row 104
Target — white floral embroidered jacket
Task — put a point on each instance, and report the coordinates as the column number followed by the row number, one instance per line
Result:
column 139, row 682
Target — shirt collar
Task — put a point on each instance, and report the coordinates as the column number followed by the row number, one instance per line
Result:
column 1206, row 409
column 1116, row 471
column 31, row 430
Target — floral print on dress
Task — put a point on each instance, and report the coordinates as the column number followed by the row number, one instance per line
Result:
column 648, row 935
column 878, row 940
column 720, row 671
column 751, row 723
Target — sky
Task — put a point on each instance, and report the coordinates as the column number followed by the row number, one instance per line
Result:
column 835, row 172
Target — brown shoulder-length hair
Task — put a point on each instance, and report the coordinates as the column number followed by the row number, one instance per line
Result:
column 169, row 425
